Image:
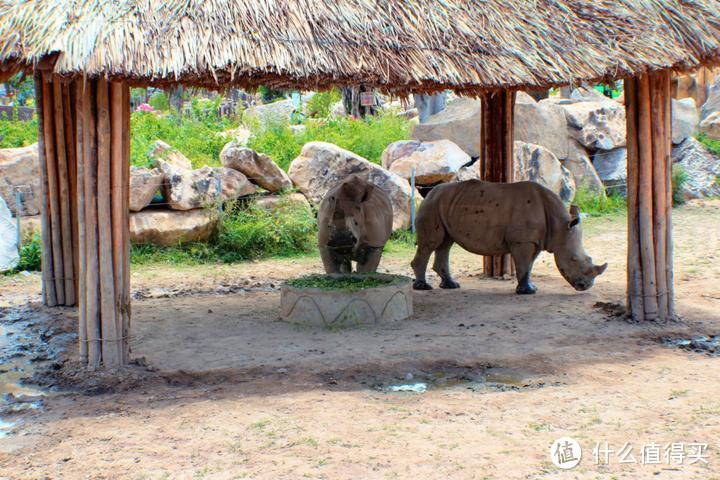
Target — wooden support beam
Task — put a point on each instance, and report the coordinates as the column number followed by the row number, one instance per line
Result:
column 496, row 158
column 650, row 274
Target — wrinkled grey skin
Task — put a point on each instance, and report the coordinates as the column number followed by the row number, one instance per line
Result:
column 354, row 223
column 522, row 219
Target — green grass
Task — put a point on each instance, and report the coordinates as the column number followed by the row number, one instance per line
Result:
column 679, row 179
column 367, row 137
column 244, row 233
column 14, row 133
column 349, row 283
column 712, row 145
column 595, row 205
column 30, row 256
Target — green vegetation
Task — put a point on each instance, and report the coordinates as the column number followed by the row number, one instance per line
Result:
column 30, row 256
column 593, row 204
column 15, row 133
column 679, row 179
column 197, row 138
column 712, row 145
column 367, row 137
column 244, row 233
column 346, row 283
column 159, row 101
column 320, row 104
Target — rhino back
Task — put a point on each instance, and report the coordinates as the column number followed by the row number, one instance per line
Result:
column 486, row 218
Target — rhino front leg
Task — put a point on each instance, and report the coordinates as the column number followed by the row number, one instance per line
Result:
column 524, row 255
column 419, row 266
column 370, row 260
column 441, row 265
column 329, row 260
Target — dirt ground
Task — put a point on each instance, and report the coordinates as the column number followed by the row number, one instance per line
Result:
column 232, row 392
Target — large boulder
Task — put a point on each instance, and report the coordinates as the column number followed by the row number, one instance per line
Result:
column 611, row 167
column 20, row 169
column 712, row 104
column 579, row 164
column 597, row 125
column 162, row 152
column 276, row 203
column 188, row 189
column 702, row 169
column 710, row 127
column 537, row 164
column 258, row 167
column 541, row 123
column 459, row 122
column 9, row 257
column 434, row 162
column 321, row 166
column 144, row 184
column 468, row 172
column 685, row 119
column 169, row 227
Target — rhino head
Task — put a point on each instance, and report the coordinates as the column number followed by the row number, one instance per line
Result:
column 347, row 222
column 574, row 263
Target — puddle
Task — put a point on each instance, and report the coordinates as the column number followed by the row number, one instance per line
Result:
column 709, row 345
column 476, row 379
column 27, row 345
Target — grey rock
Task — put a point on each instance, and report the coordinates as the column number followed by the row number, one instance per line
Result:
column 710, row 127
column 437, row 161
column 611, row 167
column 162, row 152
column 20, row 169
column 188, row 189
column 685, row 119
column 9, row 257
column 258, row 167
column 701, row 167
column 579, row 164
column 144, row 184
column 536, row 163
column 541, row 123
column 459, row 122
column 170, row 227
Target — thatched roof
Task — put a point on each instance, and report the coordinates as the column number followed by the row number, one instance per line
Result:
column 397, row 45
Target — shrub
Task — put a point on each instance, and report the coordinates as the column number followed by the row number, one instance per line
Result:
column 365, row 137
column 679, row 179
column 321, row 103
column 15, row 133
column 244, row 233
column 712, row 145
column 197, row 140
column 593, row 204
column 159, row 101
column 31, row 255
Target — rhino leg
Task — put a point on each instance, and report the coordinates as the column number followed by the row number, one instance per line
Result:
column 329, row 260
column 371, row 260
column 441, row 265
column 524, row 255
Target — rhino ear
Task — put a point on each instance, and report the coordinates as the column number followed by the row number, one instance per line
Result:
column 575, row 216
column 573, row 223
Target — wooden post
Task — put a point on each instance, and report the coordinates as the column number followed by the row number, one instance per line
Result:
column 103, row 138
column 650, row 274
column 496, row 158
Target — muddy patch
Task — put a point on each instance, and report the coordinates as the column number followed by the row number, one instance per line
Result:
column 247, row 285
column 408, row 379
column 31, row 342
column 703, row 344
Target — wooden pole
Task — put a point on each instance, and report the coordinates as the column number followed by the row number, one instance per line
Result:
column 111, row 340
column 81, row 229
column 92, row 294
column 65, row 220
column 496, row 158
column 48, row 274
column 70, row 113
column 634, row 271
column 52, row 184
column 650, row 249
column 126, row 310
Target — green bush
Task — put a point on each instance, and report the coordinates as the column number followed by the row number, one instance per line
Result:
column 159, row 101
column 31, row 255
column 712, row 145
column 365, row 137
column 320, row 104
column 197, row 140
column 244, row 233
column 679, row 179
column 593, row 204
column 15, row 133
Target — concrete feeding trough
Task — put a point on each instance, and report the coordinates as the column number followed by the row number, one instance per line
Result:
column 343, row 301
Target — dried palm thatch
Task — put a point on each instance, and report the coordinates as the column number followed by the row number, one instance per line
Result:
column 396, row 45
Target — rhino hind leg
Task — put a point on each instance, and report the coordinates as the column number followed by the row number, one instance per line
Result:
column 524, row 255
column 441, row 265
column 419, row 266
